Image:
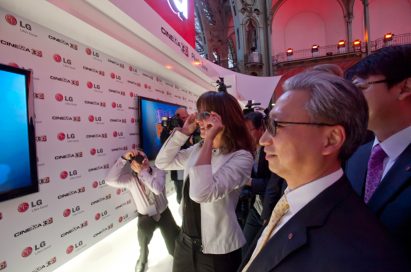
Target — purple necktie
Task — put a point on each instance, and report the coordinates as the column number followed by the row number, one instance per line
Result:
column 374, row 172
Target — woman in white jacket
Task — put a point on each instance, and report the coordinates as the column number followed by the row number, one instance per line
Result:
column 214, row 172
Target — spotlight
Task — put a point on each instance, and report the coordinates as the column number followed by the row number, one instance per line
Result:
column 388, row 37
column 341, row 47
column 315, row 50
column 289, row 52
column 357, row 45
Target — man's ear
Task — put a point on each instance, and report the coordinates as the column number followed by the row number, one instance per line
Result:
column 405, row 89
column 335, row 138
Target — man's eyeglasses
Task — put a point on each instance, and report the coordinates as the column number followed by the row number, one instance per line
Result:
column 272, row 125
column 203, row 115
column 362, row 84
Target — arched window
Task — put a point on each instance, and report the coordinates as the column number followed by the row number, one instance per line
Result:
column 232, row 60
column 216, row 56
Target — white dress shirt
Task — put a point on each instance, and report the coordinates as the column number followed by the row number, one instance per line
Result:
column 301, row 196
column 147, row 189
column 393, row 147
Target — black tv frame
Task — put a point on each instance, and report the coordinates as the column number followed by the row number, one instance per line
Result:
column 34, row 187
column 139, row 99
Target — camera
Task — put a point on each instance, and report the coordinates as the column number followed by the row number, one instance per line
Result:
column 171, row 123
column 221, row 85
column 137, row 158
column 250, row 107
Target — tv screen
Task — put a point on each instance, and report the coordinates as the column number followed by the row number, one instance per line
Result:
column 151, row 114
column 18, row 161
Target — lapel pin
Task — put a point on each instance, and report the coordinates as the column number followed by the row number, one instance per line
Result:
column 290, row 236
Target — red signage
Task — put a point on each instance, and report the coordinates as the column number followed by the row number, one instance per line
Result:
column 179, row 14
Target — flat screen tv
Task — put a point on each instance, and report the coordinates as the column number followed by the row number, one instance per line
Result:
column 18, row 160
column 151, row 114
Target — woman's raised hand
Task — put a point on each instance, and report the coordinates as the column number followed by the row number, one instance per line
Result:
column 190, row 124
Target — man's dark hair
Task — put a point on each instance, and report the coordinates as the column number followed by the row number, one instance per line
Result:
column 394, row 62
column 256, row 118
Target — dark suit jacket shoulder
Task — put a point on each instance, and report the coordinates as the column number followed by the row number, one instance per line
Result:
column 260, row 174
column 334, row 232
column 391, row 202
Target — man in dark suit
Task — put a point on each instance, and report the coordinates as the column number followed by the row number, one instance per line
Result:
column 385, row 79
column 319, row 224
column 256, row 187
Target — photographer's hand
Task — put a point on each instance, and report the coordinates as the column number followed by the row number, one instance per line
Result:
column 128, row 155
column 138, row 167
column 190, row 124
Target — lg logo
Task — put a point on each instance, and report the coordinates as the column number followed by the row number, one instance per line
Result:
column 95, row 151
column 114, row 76
column 64, row 174
column 70, row 248
column 92, row 52
column 26, row 252
column 62, row 136
column 96, row 183
column 93, row 118
column 59, row 97
column 68, row 212
column 91, row 85
column 179, row 7
column 58, row 58
column 13, row 21
column 23, row 207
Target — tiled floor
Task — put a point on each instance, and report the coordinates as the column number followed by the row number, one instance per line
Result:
column 118, row 252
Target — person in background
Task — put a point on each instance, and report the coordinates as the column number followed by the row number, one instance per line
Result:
column 147, row 186
column 273, row 192
column 179, row 118
column 256, row 186
column 380, row 170
column 319, row 224
column 214, row 172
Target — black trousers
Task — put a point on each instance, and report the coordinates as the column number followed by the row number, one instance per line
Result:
column 178, row 185
column 189, row 258
column 146, row 226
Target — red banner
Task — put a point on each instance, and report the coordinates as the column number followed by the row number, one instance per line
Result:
column 179, row 14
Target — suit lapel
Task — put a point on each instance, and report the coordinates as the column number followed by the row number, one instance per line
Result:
column 293, row 235
column 357, row 168
column 393, row 181
column 282, row 244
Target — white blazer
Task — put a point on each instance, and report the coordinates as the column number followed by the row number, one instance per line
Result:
column 216, row 187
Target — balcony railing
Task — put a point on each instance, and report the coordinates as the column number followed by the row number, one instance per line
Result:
column 396, row 40
column 333, row 50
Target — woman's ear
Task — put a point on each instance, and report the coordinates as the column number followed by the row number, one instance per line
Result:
column 334, row 140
